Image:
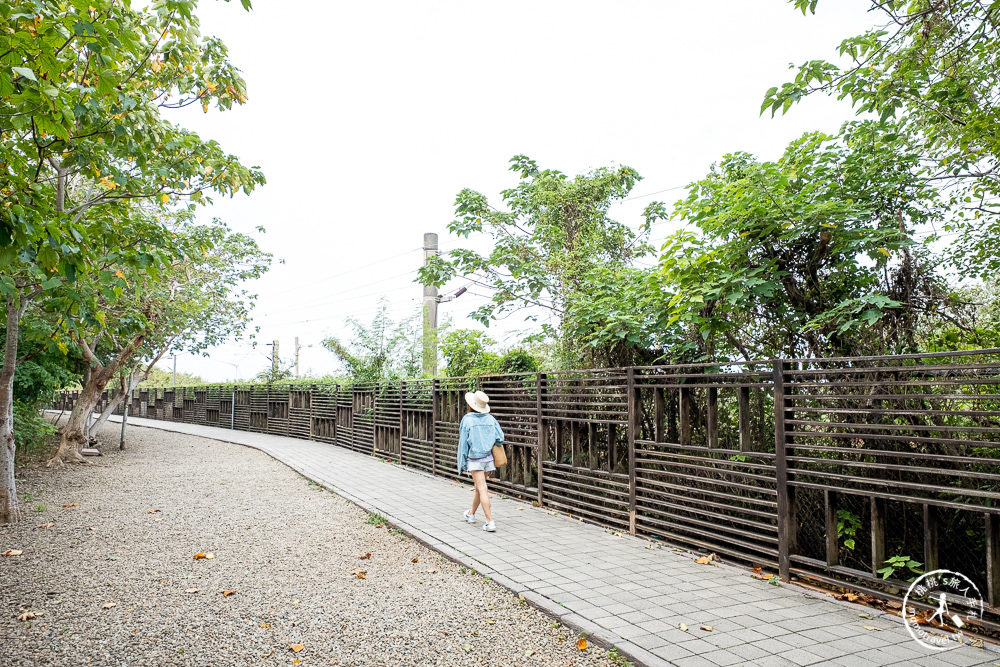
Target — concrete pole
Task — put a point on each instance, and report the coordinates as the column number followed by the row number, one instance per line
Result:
column 275, row 360
column 430, row 311
column 175, row 371
column 297, row 376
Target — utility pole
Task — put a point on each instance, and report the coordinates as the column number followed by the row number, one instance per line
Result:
column 430, row 311
column 275, row 360
column 297, row 376
column 175, row 371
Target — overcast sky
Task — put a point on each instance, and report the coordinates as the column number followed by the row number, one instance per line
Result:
column 367, row 119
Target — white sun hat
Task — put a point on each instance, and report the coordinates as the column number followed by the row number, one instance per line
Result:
column 478, row 401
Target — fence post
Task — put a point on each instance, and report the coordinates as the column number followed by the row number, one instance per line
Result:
column 543, row 435
column 634, row 416
column 402, row 422
column 786, row 496
column 435, row 415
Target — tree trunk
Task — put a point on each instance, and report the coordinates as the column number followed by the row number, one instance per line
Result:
column 117, row 400
column 10, row 511
column 74, row 434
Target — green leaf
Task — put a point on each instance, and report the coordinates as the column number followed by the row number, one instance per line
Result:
column 25, row 72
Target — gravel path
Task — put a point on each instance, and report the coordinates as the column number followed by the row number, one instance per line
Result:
column 284, row 545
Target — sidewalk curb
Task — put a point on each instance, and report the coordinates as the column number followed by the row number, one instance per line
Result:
column 594, row 634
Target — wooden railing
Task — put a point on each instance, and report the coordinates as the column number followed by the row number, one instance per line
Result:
column 820, row 468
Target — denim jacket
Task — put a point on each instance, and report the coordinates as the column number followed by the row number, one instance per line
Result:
column 477, row 434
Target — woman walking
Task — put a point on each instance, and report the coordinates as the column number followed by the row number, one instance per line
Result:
column 477, row 434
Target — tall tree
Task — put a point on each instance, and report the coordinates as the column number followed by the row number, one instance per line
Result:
column 810, row 255
column 383, row 350
column 82, row 89
column 934, row 65
column 552, row 236
column 196, row 302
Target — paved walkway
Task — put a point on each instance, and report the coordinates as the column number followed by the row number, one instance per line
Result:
column 624, row 590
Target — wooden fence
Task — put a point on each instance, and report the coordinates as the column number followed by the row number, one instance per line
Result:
column 820, row 468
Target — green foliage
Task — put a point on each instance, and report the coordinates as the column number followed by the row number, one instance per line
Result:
column 383, row 350
column 31, row 431
column 550, row 241
column 467, row 353
column 934, row 66
column 270, row 375
column 43, row 369
column 159, row 377
column 848, row 525
column 516, row 361
column 809, row 255
column 903, row 565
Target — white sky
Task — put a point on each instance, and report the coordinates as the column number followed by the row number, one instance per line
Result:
column 369, row 117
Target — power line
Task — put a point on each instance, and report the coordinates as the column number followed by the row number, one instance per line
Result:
column 339, row 275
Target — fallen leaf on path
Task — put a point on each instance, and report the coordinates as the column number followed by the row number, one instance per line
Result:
column 521, row 509
column 872, row 628
column 707, row 628
column 431, row 571
column 683, row 627
column 152, row 511
column 529, row 653
column 201, row 555
column 359, row 573
column 266, row 626
column 229, row 591
column 864, row 615
column 581, row 644
column 72, row 505
column 706, row 560
column 767, row 576
column 191, row 590
column 30, row 615
column 157, row 519
column 109, row 605
column 756, row 570
column 415, row 560
column 467, row 647
column 295, row 648
column 365, row 557
column 12, row 552
column 46, row 525
column 894, row 605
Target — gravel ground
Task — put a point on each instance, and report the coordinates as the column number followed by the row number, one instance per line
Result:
column 284, row 545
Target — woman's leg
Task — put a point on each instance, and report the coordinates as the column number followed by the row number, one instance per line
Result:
column 482, row 493
column 475, row 497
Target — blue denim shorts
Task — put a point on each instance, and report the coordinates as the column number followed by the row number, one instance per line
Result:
column 480, row 465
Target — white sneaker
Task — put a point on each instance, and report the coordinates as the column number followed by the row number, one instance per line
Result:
column 490, row 527
column 469, row 518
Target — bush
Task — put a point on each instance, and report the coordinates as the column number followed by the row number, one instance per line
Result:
column 517, row 361
column 31, row 431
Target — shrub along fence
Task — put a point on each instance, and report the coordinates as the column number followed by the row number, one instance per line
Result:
column 821, row 468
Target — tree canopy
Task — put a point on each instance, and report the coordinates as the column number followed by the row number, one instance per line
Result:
column 934, row 67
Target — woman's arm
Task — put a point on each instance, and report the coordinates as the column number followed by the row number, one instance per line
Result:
column 498, row 430
column 463, row 445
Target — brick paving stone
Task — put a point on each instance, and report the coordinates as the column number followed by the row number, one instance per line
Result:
column 613, row 582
